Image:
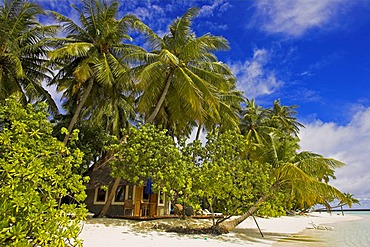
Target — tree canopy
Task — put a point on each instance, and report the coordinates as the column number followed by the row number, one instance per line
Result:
column 36, row 173
column 24, row 43
column 146, row 100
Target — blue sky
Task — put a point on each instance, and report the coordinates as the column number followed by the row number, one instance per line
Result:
column 310, row 53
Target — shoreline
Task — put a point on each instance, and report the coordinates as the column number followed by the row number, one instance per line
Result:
column 100, row 232
column 344, row 233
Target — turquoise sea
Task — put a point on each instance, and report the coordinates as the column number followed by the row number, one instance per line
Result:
column 345, row 234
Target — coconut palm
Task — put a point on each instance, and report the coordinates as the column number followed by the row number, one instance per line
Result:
column 24, row 44
column 282, row 117
column 90, row 57
column 301, row 172
column 181, row 78
column 256, row 123
column 226, row 117
column 111, row 110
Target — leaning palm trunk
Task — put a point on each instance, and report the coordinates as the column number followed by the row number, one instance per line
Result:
column 161, row 99
column 231, row 224
column 110, row 198
column 78, row 110
column 199, row 130
column 109, row 157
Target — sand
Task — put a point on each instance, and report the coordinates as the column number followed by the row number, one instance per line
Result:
column 112, row 233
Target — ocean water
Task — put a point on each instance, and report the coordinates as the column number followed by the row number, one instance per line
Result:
column 345, row 234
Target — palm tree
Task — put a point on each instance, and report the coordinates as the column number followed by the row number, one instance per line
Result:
column 301, row 172
column 111, row 110
column 24, row 44
column 90, row 58
column 92, row 72
column 256, row 123
column 181, row 78
column 226, row 117
column 283, row 118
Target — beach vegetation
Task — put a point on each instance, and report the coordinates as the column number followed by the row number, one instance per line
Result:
column 92, row 74
column 301, row 175
column 36, row 175
column 216, row 175
column 24, row 43
column 148, row 152
column 135, row 106
column 183, row 84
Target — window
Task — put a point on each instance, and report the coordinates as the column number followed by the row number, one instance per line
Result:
column 130, row 194
column 123, row 192
column 120, row 193
column 100, row 196
column 161, row 198
column 145, row 195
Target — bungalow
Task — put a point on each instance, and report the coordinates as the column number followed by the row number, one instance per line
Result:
column 129, row 200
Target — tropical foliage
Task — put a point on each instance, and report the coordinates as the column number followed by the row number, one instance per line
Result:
column 35, row 175
column 92, row 75
column 149, row 152
column 251, row 162
column 191, row 173
column 24, row 45
column 182, row 81
column 225, row 179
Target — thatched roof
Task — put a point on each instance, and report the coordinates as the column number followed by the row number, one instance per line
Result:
column 99, row 177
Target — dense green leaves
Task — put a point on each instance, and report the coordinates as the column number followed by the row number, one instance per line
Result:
column 182, row 82
column 35, row 175
column 24, row 44
column 91, row 71
column 217, row 172
column 148, row 152
column 297, row 179
column 225, row 177
column 108, row 84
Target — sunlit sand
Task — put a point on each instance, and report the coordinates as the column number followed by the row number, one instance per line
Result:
column 109, row 232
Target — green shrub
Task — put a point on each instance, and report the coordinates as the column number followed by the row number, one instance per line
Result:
column 35, row 174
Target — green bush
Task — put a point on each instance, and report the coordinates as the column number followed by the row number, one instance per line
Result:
column 35, row 175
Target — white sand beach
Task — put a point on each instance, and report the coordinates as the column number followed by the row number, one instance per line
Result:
column 112, row 233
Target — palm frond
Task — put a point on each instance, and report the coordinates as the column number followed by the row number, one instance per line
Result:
column 168, row 58
column 78, row 49
column 209, row 92
column 180, row 29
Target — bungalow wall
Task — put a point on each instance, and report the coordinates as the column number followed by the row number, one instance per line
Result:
column 143, row 204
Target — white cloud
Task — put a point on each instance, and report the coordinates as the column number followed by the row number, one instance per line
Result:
column 253, row 78
column 295, row 17
column 155, row 16
column 216, row 7
column 350, row 144
column 308, row 95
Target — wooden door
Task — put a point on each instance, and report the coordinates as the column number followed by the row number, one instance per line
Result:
column 138, row 197
column 153, row 200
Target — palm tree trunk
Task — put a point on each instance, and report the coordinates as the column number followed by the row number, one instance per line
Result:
column 210, row 202
column 199, row 130
column 78, row 111
column 231, row 224
column 110, row 198
column 103, row 160
column 100, row 163
column 161, row 99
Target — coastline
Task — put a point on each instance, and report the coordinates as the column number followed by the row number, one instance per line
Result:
column 100, row 232
column 344, row 233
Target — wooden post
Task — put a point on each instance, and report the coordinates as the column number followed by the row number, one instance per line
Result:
column 110, row 198
column 138, row 197
column 258, row 226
